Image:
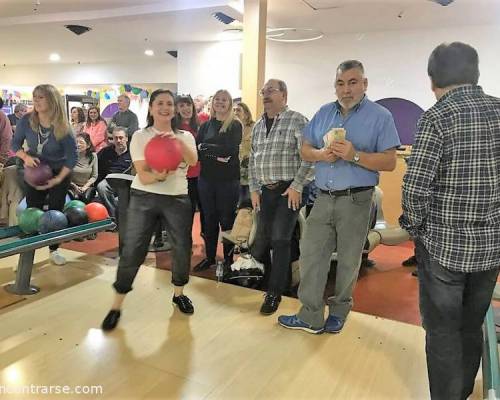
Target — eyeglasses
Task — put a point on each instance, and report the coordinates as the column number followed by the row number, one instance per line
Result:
column 268, row 91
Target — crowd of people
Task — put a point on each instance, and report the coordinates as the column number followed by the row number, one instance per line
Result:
column 451, row 200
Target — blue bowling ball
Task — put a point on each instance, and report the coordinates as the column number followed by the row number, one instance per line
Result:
column 51, row 221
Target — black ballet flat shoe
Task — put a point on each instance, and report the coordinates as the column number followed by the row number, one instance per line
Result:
column 184, row 303
column 111, row 320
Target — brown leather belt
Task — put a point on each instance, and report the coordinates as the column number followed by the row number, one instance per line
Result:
column 346, row 192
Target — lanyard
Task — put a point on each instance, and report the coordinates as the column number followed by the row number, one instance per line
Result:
column 40, row 145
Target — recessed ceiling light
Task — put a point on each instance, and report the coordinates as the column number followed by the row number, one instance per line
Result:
column 149, row 52
column 54, row 57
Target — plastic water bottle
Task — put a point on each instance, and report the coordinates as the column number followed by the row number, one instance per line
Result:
column 219, row 271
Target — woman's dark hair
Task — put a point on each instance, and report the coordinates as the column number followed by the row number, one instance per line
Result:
column 453, row 64
column 81, row 115
column 194, row 124
column 99, row 118
column 154, row 95
column 90, row 147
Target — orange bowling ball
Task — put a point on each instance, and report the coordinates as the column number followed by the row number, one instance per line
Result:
column 96, row 212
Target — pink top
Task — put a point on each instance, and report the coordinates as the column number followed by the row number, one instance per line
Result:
column 98, row 134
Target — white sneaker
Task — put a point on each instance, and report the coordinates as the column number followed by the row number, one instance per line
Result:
column 57, row 258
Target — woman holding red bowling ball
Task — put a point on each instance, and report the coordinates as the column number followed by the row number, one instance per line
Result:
column 49, row 139
column 155, row 195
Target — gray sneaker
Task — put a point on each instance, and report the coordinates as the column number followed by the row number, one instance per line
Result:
column 57, row 258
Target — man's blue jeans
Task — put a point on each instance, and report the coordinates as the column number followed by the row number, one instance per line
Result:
column 453, row 306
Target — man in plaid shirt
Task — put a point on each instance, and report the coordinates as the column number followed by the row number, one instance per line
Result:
column 451, row 206
column 276, row 177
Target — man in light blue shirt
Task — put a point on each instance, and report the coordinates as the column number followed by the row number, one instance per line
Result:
column 349, row 141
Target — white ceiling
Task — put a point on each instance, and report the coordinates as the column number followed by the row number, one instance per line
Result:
column 123, row 29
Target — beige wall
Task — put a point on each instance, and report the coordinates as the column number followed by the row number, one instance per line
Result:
column 391, row 184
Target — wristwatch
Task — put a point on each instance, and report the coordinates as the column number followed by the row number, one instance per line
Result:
column 355, row 159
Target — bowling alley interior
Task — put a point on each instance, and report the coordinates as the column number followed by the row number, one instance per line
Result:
column 100, row 72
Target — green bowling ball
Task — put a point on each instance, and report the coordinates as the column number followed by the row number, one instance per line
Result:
column 74, row 203
column 28, row 220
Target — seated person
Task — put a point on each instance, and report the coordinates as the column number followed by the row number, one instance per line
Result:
column 85, row 172
column 114, row 159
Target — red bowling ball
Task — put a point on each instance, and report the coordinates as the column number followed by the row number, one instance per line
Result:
column 96, row 212
column 163, row 154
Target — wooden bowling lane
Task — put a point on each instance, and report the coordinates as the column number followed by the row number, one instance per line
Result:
column 226, row 350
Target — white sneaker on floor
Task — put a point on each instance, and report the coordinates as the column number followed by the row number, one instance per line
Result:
column 57, row 258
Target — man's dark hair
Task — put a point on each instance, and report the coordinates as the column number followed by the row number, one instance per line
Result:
column 350, row 64
column 453, row 64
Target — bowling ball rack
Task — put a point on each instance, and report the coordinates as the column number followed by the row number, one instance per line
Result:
column 25, row 246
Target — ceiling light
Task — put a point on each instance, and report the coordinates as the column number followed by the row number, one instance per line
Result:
column 54, row 57
column 149, row 52
column 294, row 35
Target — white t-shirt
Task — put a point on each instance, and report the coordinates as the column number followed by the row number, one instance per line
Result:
column 176, row 183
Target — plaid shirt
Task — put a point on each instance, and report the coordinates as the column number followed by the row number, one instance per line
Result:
column 275, row 156
column 451, row 191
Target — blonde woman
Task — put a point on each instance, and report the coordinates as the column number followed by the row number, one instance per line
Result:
column 218, row 145
column 244, row 114
column 49, row 138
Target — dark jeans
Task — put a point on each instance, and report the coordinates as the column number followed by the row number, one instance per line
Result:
column 275, row 226
column 55, row 198
column 219, row 201
column 453, row 306
column 195, row 200
column 142, row 216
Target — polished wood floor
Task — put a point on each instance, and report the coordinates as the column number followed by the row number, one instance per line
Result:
column 226, row 350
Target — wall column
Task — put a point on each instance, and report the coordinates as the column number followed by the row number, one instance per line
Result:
column 254, row 54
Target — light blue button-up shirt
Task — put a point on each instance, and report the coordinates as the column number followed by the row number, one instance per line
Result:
column 369, row 127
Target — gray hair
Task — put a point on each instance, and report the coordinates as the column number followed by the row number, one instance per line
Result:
column 124, row 96
column 281, row 85
column 350, row 64
column 20, row 107
column 117, row 129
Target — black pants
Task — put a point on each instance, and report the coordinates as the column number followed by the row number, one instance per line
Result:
column 55, row 198
column 195, row 200
column 453, row 306
column 219, row 201
column 275, row 226
column 142, row 216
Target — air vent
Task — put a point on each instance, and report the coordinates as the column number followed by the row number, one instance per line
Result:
column 78, row 29
column 173, row 53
